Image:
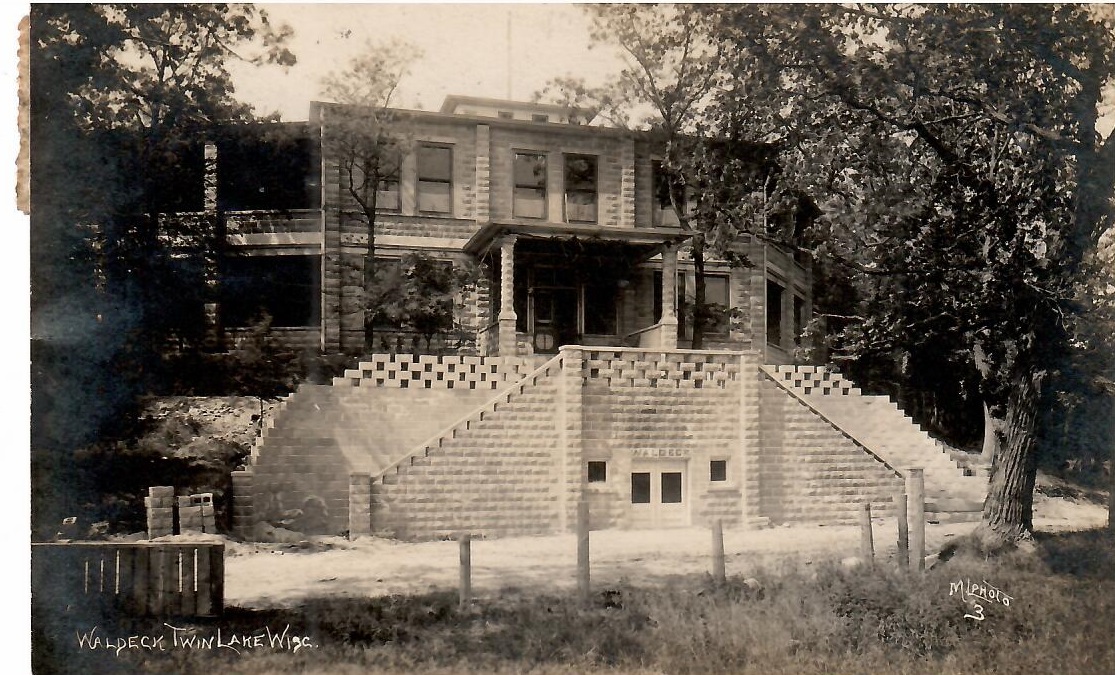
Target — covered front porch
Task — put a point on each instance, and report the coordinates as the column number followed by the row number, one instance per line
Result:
column 560, row 284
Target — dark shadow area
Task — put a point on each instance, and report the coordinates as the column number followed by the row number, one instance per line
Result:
column 1089, row 554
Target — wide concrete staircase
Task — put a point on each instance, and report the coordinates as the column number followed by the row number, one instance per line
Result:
column 880, row 426
column 382, row 408
column 366, row 421
column 496, row 471
column 810, row 472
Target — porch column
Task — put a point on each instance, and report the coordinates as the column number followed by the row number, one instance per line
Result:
column 668, row 325
column 507, row 341
column 214, row 339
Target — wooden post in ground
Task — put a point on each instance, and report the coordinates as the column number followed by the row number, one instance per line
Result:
column 866, row 541
column 583, row 587
column 718, row 574
column 915, row 491
column 900, row 515
column 466, row 569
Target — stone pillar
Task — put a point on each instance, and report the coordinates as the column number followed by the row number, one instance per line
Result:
column 213, row 338
column 555, row 187
column 507, row 317
column 483, row 174
column 750, row 441
column 210, row 177
column 331, row 267
column 243, row 511
column 570, row 419
column 627, row 184
column 668, row 325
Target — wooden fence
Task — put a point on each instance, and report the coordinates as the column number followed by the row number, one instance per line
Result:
column 135, row 579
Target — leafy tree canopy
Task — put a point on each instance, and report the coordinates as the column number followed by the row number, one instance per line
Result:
column 953, row 151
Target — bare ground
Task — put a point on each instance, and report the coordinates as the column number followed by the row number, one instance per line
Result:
column 270, row 575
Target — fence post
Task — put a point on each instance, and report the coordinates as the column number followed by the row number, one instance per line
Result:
column 866, row 541
column 903, row 528
column 718, row 552
column 582, row 552
column 915, row 490
column 466, row 569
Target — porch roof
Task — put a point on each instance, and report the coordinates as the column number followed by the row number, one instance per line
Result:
column 650, row 238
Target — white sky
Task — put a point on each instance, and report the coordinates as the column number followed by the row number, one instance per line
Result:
column 465, row 51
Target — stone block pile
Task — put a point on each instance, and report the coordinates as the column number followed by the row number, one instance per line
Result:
column 168, row 514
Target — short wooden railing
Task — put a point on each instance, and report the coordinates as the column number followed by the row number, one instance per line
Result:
column 136, row 579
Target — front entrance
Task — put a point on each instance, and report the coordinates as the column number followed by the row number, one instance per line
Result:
column 659, row 494
column 555, row 318
column 569, row 293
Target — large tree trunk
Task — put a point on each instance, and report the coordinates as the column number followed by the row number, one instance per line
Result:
column 1111, row 488
column 1008, row 510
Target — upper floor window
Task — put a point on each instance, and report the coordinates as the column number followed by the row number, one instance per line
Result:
column 435, row 179
column 774, row 312
column 539, row 117
column 530, row 185
column 580, row 188
column 387, row 193
column 506, row 115
column 664, row 213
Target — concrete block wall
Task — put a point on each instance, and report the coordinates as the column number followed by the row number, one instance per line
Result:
column 644, row 183
column 424, row 371
column 811, row 472
column 495, row 474
column 243, row 504
column 302, row 484
column 571, row 440
column 879, row 424
column 369, row 419
column 686, row 404
column 359, row 504
column 392, row 448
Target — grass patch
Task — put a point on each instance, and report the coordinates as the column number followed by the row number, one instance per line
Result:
column 800, row 621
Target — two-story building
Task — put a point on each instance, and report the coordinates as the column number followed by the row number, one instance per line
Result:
column 578, row 244
column 576, row 383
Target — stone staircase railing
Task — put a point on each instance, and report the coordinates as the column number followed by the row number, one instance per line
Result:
column 489, row 407
column 878, row 424
column 421, row 371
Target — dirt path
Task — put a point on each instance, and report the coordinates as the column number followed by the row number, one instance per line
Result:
column 262, row 575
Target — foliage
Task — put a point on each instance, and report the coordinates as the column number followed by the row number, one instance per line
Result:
column 954, row 155
column 121, row 96
column 368, row 140
column 257, row 366
column 420, row 293
column 947, row 149
column 667, row 79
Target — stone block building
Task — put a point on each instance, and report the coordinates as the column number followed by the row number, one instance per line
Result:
column 577, row 383
column 568, row 220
